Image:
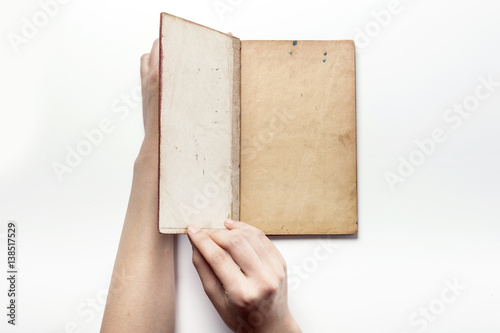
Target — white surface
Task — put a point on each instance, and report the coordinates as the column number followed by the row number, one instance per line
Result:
column 441, row 224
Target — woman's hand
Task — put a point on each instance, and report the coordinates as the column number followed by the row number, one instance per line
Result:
column 141, row 295
column 248, row 283
column 150, row 84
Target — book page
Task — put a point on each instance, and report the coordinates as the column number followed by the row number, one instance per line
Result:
column 298, row 137
column 199, row 126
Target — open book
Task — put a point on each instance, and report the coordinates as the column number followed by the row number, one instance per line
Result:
column 258, row 131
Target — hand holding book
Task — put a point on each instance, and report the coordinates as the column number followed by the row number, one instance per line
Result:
column 244, row 275
column 141, row 296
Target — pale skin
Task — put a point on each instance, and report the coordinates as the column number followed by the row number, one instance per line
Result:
column 242, row 272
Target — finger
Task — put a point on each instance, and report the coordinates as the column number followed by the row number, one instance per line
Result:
column 144, row 65
column 221, row 263
column 211, row 284
column 242, row 252
column 144, row 81
column 155, row 55
column 265, row 249
column 231, row 224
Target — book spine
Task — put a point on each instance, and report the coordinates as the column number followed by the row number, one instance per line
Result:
column 236, row 130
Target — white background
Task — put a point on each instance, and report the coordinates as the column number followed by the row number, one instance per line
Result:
column 441, row 224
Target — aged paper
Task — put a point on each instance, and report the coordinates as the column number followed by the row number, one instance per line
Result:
column 199, row 126
column 298, row 137
column 294, row 170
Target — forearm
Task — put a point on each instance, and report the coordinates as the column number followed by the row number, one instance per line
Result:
column 141, row 294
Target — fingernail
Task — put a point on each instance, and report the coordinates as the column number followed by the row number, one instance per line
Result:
column 193, row 228
column 229, row 221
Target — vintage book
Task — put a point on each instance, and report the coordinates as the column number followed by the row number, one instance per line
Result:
column 258, row 131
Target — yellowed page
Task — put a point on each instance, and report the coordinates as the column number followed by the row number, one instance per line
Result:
column 298, row 137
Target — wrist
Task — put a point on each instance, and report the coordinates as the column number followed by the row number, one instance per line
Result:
column 288, row 325
column 146, row 165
